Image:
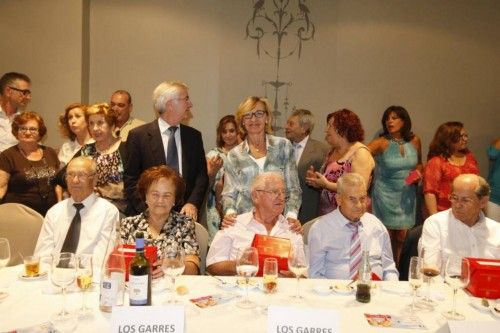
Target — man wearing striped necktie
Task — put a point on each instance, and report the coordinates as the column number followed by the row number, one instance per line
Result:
column 337, row 239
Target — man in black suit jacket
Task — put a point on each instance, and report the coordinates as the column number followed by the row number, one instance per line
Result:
column 308, row 152
column 147, row 147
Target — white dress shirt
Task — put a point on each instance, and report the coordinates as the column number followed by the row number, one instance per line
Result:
column 227, row 241
column 7, row 139
column 330, row 244
column 299, row 148
column 445, row 232
column 165, row 134
column 98, row 218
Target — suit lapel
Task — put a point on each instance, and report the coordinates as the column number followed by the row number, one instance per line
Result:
column 156, row 143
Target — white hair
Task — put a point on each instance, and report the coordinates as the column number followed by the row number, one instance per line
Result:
column 165, row 92
column 261, row 180
column 351, row 179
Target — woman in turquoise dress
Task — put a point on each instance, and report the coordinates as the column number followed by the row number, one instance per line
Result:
column 227, row 139
column 398, row 157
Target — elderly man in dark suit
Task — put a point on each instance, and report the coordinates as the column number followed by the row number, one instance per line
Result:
column 166, row 141
column 308, row 152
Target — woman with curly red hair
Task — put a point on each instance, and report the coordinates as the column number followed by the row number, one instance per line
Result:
column 345, row 134
column 448, row 158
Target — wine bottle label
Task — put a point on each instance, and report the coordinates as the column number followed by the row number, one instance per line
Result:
column 109, row 291
column 138, row 289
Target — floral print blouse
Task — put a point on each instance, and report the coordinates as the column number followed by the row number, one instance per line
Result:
column 178, row 231
column 241, row 169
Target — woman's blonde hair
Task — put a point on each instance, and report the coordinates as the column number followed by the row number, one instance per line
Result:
column 247, row 106
column 101, row 108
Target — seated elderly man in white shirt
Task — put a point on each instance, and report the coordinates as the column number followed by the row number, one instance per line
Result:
column 82, row 223
column 463, row 229
column 337, row 239
column 268, row 196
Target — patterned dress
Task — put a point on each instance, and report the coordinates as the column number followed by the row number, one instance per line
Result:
column 439, row 174
column 178, row 231
column 333, row 171
column 393, row 201
column 213, row 217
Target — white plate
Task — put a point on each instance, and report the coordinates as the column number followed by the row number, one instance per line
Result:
column 495, row 311
column 323, row 290
column 394, row 288
column 40, row 276
column 252, row 283
column 343, row 289
column 476, row 302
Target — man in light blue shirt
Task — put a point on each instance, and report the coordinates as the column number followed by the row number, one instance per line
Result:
column 330, row 237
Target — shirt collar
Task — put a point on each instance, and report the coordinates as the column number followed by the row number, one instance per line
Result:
column 303, row 142
column 87, row 202
column 344, row 221
column 246, row 148
column 164, row 125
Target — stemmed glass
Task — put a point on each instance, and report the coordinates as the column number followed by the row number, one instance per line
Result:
column 457, row 275
column 4, row 252
column 247, row 265
column 415, row 278
column 84, row 273
column 62, row 274
column 297, row 264
column 173, row 266
column 431, row 267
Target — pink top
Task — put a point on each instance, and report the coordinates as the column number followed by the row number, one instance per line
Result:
column 439, row 174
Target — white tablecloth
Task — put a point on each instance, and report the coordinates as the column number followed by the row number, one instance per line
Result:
column 29, row 304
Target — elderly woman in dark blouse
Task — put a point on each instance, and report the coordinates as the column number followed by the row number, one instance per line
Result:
column 161, row 188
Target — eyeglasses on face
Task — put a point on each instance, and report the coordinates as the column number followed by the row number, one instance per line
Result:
column 274, row 193
column 79, row 175
column 185, row 99
column 257, row 114
column 24, row 129
column 25, row 92
column 463, row 200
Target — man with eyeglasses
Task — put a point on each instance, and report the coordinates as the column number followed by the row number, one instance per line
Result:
column 15, row 94
column 337, row 239
column 463, row 229
column 121, row 105
column 268, row 196
column 84, row 222
column 165, row 141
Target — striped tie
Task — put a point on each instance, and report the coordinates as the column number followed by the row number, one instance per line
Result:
column 355, row 252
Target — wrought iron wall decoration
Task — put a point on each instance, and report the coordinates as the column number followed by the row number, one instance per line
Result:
column 279, row 28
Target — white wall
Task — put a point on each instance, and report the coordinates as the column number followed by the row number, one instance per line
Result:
column 439, row 59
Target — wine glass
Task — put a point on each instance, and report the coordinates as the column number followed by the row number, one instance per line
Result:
column 457, row 275
column 172, row 266
column 270, row 275
column 297, row 264
column 247, row 265
column 431, row 267
column 4, row 252
column 415, row 278
column 62, row 274
column 84, row 273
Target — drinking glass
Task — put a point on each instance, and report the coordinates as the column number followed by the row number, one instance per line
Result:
column 431, row 267
column 297, row 264
column 270, row 275
column 62, row 274
column 457, row 275
column 247, row 265
column 84, row 274
column 172, row 266
column 4, row 252
column 415, row 278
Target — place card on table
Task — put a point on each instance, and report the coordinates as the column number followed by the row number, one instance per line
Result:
column 282, row 319
column 147, row 319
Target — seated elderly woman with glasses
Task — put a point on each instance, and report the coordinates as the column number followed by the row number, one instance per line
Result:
column 161, row 188
column 27, row 170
